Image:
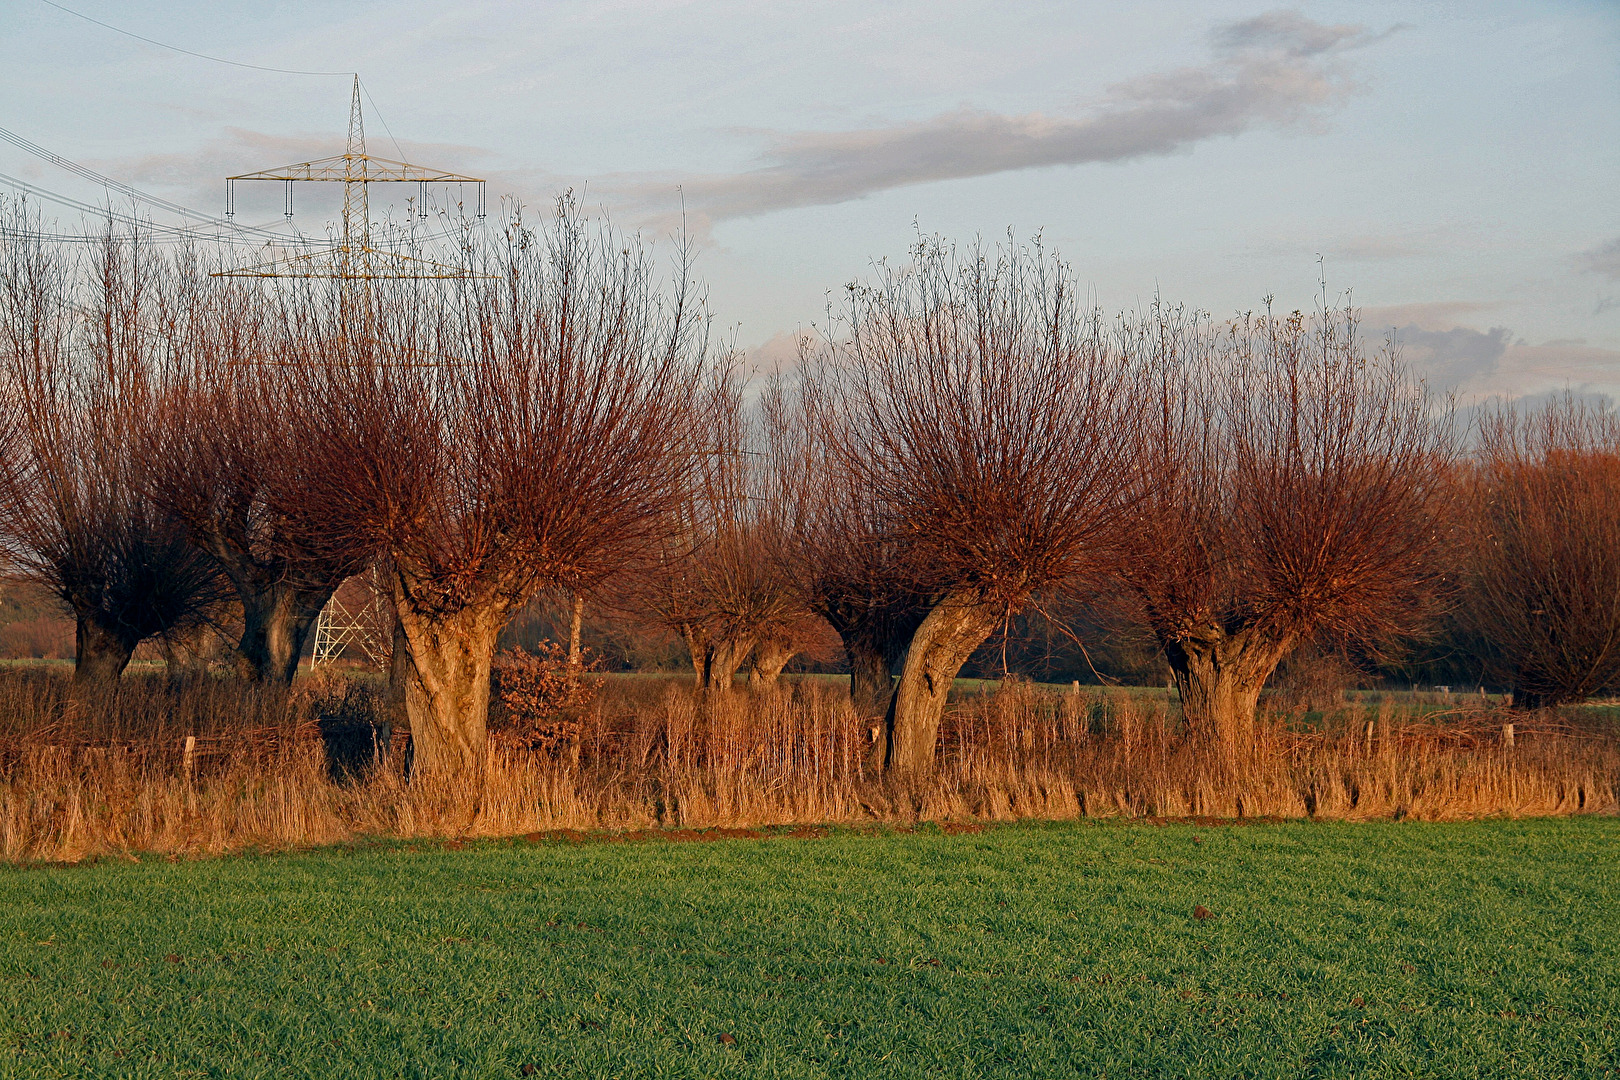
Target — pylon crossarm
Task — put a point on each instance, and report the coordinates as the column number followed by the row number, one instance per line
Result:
column 360, row 169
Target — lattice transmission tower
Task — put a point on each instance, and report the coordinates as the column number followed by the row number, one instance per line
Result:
column 365, row 621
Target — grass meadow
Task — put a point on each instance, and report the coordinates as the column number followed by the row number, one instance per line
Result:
column 1026, row 950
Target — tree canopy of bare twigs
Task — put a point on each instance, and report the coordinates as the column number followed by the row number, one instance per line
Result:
column 720, row 580
column 977, row 407
column 225, row 441
column 844, row 563
column 73, row 511
column 1543, row 553
column 1293, row 489
column 527, row 426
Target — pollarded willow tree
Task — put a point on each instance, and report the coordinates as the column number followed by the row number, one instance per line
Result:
column 846, row 564
column 1542, row 568
column 1294, row 490
column 718, row 580
column 976, row 406
column 525, row 427
column 224, row 442
column 76, row 338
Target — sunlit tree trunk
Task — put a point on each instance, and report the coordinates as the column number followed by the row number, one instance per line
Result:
column 770, row 657
column 446, row 683
column 956, row 626
column 1219, row 678
column 724, row 657
column 575, row 617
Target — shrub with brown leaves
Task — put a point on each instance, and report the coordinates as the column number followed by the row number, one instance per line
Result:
column 540, row 697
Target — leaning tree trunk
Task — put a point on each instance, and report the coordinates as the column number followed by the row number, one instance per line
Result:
column 1219, row 677
column 100, row 654
column 950, row 632
column 770, row 657
column 447, row 679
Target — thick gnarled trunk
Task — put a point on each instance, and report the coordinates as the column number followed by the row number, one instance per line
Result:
column 277, row 619
column 942, row 643
column 770, row 657
column 715, row 660
column 1219, row 677
column 446, row 676
column 99, row 655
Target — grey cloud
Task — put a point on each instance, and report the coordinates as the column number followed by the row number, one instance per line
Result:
column 1432, row 314
column 1274, row 69
column 1286, row 32
column 1456, row 357
column 1603, row 259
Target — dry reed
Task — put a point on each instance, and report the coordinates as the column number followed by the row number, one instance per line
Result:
column 82, row 778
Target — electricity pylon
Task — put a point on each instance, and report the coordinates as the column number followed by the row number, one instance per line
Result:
column 369, row 625
column 353, row 258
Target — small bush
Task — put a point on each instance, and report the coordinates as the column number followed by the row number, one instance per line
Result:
column 539, row 697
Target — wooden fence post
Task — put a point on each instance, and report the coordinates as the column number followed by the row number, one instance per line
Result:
column 1507, row 736
column 188, row 760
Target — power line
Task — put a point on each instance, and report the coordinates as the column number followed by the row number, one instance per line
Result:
column 397, row 149
column 171, row 232
column 123, row 189
column 188, row 52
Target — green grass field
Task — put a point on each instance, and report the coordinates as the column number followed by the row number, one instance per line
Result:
column 1488, row 949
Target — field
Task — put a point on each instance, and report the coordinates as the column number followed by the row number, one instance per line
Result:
column 1330, row 949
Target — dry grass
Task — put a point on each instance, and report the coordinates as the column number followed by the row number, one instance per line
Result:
column 81, row 778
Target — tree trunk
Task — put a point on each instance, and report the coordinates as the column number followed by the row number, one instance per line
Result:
column 447, row 683
column 276, row 622
column 697, row 646
column 770, row 657
column 947, row 636
column 870, row 684
column 576, row 616
column 186, row 654
column 399, row 672
column 99, row 655
column 723, row 659
column 1219, row 677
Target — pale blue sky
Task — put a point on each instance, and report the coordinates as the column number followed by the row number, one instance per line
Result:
column 1456, row 165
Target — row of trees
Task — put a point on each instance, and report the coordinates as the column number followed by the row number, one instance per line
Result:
column 964, row 437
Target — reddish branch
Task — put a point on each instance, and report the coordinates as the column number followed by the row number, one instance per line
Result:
column 1543, row 558
column 1293, row 490
column 976, row 407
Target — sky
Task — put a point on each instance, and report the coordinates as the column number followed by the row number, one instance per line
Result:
column 1454, row 168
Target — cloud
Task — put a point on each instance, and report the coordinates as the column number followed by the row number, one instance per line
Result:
column 1275, row 69
column 1603, row 259
column 1458, row 357
column 1434, row 315
column 1497, row 361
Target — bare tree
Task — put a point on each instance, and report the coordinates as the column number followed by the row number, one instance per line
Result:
column 73, row 514
column 976, row 406
column 845, row 562
column 520, row 428
column 226, row 438
column 720, row 580
column 1292, row 489
column 1543, row 558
